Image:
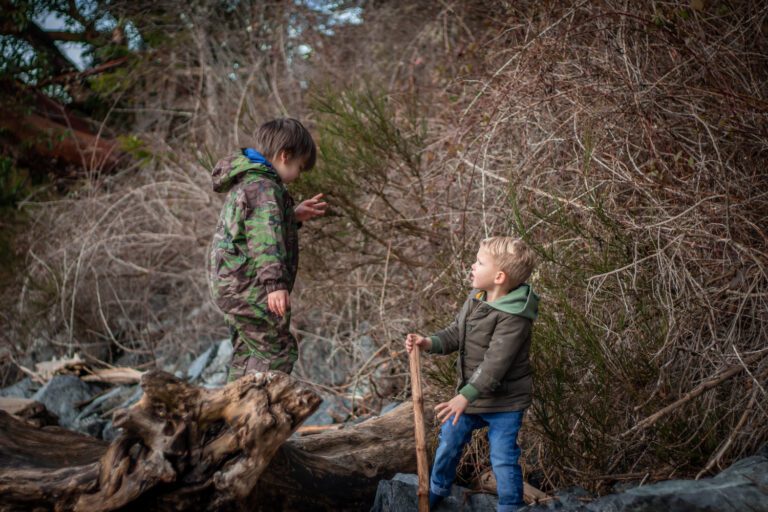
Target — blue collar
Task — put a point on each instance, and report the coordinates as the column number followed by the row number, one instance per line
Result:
column 256, row 157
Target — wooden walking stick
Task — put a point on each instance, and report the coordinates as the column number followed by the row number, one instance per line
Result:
column 418, row 420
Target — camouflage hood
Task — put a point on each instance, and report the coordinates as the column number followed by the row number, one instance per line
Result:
column 231, row 169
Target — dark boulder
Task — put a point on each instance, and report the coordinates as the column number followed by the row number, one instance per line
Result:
column 399, row 495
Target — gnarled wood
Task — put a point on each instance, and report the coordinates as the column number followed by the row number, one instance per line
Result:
column 182, row 447
column 189, row 448
column 45, row 467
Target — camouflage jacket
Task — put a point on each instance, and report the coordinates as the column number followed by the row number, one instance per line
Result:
column 255, row 249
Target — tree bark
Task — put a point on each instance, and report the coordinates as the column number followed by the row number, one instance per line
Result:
column 188, row 448
column 339, row 470
column 37, row 127
column 182, row 447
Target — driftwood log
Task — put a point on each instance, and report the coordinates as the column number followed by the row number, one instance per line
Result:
column 339, row 470
column 189, row 448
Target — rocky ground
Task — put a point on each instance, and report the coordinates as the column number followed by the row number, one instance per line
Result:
column 87, row 407
column 741, row 487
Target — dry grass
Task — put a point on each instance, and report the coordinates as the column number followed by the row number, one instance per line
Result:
column 629, row 148
column 626, row 144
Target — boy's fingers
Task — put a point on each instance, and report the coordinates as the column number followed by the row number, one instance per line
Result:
column 317, row 197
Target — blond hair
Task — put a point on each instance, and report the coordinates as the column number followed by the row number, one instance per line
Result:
column 512, row 256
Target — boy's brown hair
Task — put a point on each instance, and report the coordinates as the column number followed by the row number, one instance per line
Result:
column 512, row 256
column 287, row 135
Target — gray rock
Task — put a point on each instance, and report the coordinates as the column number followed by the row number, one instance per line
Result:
column 321, row 416
column 97, row 405
column 137, row 394
column 367, row 347
column 61, row 394
column 333, row 409
column 195, row 370
column 215, row 374
column 92, row 426
column 25, row 388
column 400, row 495
column 743, row 486
column 320, row 361
column 178, row 365
column 391, row 406
column 109, row 433
column 91, row 419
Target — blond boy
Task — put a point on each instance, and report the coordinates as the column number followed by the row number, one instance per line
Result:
column 492, row 334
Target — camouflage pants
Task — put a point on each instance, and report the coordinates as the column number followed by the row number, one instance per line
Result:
column 261, row 344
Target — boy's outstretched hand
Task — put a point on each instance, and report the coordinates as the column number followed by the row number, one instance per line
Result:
column 418, row 340
column 310, row 208
column 454, row 407
column 279, row 302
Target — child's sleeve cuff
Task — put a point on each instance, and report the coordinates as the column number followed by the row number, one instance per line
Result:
column 274, row 285
column 470, row 392
column 437, row 345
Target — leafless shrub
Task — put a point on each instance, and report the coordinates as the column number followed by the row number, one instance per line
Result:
column 628, row 146
column 625, row 143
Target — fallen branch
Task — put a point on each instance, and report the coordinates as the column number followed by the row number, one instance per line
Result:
column 701, row 388
column 114, row 376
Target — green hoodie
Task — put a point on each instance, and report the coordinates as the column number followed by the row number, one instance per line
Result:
column 493, row 340
column 521, row 301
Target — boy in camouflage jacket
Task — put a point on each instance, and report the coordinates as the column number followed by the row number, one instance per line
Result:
column 492, row 334
column 254, row 254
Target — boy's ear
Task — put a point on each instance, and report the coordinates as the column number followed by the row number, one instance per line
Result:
column 501, row 276
column 283, row 156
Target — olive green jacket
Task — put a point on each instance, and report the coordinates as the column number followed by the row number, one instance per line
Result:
column 493, row 340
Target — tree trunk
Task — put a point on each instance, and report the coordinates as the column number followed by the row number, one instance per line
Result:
column 339, row 470
column 188, row 448
column 37, row 127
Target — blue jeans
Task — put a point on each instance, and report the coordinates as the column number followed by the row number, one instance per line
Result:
column 502, row 435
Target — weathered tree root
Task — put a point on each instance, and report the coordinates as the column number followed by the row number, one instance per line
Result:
column 182, row 447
